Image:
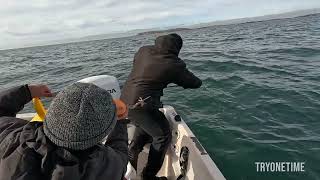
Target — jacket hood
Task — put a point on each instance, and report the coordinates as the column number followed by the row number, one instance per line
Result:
column 169, row 43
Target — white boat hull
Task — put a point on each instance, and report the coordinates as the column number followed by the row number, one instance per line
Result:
column 199, row 165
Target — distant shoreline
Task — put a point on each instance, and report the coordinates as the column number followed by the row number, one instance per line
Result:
column 163, row 31
column 289, row 15
column 177, row 28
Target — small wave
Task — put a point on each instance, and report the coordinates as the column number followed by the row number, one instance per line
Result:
column 97, row 59
column 299, row 52
column 233, row 66
column 65, row 70
column 214, row 54
column 233, row 78
column 258, row 39
column 232, row 39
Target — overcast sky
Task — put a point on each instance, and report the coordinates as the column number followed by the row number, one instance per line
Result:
column 25, row 22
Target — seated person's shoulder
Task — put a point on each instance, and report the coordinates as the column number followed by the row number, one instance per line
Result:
column 7, row 123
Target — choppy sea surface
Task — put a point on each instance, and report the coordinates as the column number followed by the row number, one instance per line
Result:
column 260, row 99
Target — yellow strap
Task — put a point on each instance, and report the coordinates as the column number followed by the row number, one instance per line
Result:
column 41, row 111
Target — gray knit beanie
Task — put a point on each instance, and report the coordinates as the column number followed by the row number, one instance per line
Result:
column 80, row 116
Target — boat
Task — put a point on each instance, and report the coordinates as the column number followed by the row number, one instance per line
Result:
column 186, row 158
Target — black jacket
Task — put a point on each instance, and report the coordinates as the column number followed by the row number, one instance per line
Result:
column 154, row 67
column 26, row 153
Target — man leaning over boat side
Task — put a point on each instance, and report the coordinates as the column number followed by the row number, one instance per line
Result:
column 68, row 144
column 154, row 67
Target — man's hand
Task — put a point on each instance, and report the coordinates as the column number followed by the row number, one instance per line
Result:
column 122, row 109
column 39, row 90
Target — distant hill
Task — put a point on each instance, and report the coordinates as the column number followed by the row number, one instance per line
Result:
column 163, row 31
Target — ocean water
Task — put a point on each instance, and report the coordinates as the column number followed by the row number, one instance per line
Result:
column 260, row 99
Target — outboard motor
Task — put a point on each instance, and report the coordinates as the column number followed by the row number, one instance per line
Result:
column 109, row 83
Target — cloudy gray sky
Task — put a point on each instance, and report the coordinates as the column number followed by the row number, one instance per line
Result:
column 28, row 22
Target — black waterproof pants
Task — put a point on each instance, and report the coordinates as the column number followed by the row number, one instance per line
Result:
column 151, row 126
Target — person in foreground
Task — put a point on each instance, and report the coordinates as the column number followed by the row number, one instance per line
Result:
column 154, row 67
column 68, row 144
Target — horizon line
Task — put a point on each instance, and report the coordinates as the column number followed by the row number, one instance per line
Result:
column 168, row 28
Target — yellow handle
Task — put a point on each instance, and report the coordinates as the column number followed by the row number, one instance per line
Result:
column 122, row 110
column 41, row 111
